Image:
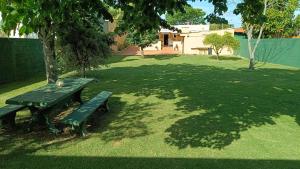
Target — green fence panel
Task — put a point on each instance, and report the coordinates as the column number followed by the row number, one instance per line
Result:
column 20, row 59
column 278, row 51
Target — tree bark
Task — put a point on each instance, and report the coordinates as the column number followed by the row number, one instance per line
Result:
column 48, row 41
column 142, row 52
column 252, row 64
column 217, row 56
column 83, row 72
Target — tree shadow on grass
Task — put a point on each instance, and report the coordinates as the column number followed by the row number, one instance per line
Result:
column 125, row 120
column 161, row 57
column 79, row 162
column 7, row 87
column 233, row 58
column 233, row 100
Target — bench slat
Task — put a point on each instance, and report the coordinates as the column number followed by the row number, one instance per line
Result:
column 84, row 111
column 10, row 108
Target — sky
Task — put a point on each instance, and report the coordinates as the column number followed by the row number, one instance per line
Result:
column 232, row 18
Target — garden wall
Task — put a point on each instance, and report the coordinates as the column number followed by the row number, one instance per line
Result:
column 20, row 59
column 278, row 51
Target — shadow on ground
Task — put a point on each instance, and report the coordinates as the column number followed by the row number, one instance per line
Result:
column 79, row 162
column 234, row 100
column 7, row 87
column 226, row 58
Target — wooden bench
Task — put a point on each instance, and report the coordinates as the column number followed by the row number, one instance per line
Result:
column 78, row 118
column 8, row 114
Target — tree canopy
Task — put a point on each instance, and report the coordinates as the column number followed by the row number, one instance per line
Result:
column 280, row 19
column 82, row 43
column 189, row 16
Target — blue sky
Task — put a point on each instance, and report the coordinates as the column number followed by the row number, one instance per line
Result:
column 232, row 18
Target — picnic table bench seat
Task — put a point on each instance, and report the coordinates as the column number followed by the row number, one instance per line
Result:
column 8, row 114
column 78, row 118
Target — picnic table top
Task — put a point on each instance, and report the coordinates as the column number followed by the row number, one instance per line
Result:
column 50, row 94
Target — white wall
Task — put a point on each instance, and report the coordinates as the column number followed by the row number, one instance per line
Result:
column 155, row 46
column 195, row 40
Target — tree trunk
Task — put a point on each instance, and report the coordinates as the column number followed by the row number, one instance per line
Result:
column 48, row 42
column 217, row 56
column 252, row 64
column 83, row 72
column 142, row 52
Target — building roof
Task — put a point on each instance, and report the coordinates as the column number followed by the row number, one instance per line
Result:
column 239, row 30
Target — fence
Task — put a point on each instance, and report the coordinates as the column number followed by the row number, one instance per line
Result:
column 279, row 51
column 20, row 59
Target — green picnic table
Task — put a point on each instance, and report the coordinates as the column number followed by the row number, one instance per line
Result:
column 43, row 100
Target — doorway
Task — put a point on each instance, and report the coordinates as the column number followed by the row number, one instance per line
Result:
column 166, row 40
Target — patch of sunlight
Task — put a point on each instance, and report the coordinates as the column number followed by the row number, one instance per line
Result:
column 277, row 88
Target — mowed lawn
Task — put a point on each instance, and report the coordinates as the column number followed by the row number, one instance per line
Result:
column 173, row 112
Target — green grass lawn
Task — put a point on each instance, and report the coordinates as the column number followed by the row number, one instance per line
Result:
column 171, row 112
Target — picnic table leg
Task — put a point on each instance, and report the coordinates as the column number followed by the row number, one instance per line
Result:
column 37, row 118
column 50, row 125
column 41, row 117
column 9, row 120
column 81, row 129
column 77, row 97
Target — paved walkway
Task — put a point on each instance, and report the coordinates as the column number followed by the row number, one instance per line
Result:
column 134, row 50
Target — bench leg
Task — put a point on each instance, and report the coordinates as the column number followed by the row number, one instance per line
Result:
column 8, row 121
column 77, row 97
column 104, row 107
column 81, row 129
column 36, row 118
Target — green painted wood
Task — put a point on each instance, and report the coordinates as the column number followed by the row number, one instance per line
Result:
column 9, row 109
column 83, row 112
column 50, row 95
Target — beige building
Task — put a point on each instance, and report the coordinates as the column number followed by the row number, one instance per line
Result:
column 189, row 40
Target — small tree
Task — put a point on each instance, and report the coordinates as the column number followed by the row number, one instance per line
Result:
column 219, row 42
column 254, row 18
column 142, row 39
column 82, row 42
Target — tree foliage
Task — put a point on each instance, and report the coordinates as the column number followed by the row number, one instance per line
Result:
column 82, row 44
column 44, row 17
column 297, row 24
column 280, row 19
column 219, row 26
column 142, row 39
column 219, row 42
column 189, row 16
